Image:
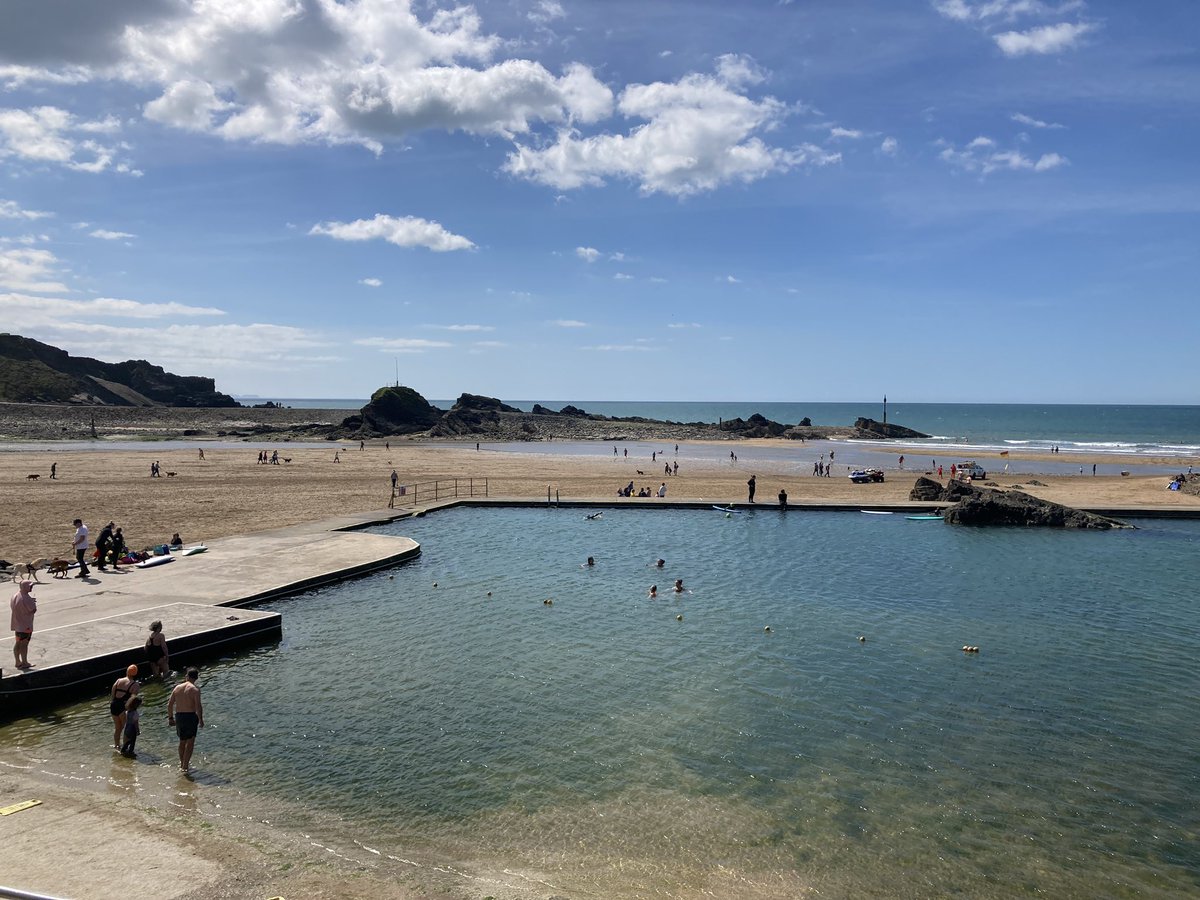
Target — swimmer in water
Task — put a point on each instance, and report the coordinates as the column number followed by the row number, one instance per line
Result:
column 679, row 585
column 660, row 563
column 595, row 515
column 653, row 592
column 590, row 563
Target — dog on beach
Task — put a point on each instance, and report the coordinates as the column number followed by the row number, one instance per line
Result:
column 58, row 568
column 31, row 568
column 287, row 459
column 170, row 474
column 640, row 472
column 32, row 477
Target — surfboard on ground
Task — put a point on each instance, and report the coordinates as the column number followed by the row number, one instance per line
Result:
column 154, row 561
column 192, row 551
column 875, row 512
column 923, row 518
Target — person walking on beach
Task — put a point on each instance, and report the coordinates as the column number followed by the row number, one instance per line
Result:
column 751, row 485
column 156, row 650
column 80, row 545
column 1093, row 470
column 23, row 606
column 53, row 471
column 186, row 713
column 118, row 701
column 395, row 479
column 675, row 468
column 662, row 489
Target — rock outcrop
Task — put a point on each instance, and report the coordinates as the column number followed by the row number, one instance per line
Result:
column 990, row 507
column 886, row 430
column 33, row 372
column 757, row 426
column 393, row 410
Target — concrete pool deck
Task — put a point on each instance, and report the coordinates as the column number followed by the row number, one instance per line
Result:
column 88, row 630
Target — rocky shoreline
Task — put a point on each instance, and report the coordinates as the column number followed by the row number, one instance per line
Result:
column 464, row 423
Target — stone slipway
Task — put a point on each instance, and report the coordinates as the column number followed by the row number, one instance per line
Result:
column 88, row 630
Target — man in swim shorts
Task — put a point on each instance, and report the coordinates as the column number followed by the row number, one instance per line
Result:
column 186, row 713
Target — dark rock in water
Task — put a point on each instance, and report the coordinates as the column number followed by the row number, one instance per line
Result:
column 393, row 410
column 988, row 507
column 569, row 410
column 539, row 410
column 477, row 402
column 886, row 430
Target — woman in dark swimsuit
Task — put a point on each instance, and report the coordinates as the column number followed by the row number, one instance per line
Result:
column 156, row 650
column 122, row 690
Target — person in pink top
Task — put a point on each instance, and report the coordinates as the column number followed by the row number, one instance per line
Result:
column 23, row 608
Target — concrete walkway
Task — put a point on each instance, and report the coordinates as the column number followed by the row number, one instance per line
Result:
column 87, row 630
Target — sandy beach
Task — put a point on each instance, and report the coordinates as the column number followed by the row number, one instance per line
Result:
column 228, row 493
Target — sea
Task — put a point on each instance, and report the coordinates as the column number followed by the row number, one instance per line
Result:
column 800, row 720
column 955, row 428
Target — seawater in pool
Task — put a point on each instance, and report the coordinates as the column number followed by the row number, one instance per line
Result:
column 615, row 750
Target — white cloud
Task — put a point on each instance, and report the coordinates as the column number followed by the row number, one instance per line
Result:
column 29, row 270
column 589, row 254
column 1034, row 123
column 407, row 231
column 363, row 71
column 729, row 279
column 1001, row 10
column 618, row 256
column 981, row 156
column 402, row 345
column 25, row 311
column 47, row 134
column 621, row 276
column 464, row 327
column 190, row 348
column 489, row 344
column 617, row 348
column 889, row 147
column 1044, row 39
column 694, row 135
column 545, row 11
column 370, row 282
column 10, row 209
column 105, row 235
column 654, row 279
column 837, row 132
column 570, row 323
column 684, row 325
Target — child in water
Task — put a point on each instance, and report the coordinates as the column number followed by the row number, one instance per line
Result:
column 132, row 716
column 653, row 592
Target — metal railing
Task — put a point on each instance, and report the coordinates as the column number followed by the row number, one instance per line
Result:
column 435, row 491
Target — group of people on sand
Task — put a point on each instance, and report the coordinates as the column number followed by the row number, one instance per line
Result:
column 185, row 711
column 627, row 491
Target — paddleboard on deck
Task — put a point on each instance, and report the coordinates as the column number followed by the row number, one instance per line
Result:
column 154, row 561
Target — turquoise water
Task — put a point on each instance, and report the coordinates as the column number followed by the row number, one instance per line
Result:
column 615, row 751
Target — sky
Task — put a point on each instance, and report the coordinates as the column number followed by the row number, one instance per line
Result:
column 814, row 200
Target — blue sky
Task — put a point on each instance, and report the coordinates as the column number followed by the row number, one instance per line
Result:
column 943, row 200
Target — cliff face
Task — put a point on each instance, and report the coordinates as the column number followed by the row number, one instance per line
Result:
column 33, row 372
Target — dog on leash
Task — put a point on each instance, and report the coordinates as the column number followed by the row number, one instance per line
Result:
column 32, row 477
column 31, row 568
column 58, row 568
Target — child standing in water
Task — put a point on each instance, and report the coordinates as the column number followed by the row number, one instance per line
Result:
column 133, row 716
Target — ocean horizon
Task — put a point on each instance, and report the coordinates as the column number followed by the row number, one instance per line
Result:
column 1138, row 429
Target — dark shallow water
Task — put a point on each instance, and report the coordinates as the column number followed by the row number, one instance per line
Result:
column 615, row 751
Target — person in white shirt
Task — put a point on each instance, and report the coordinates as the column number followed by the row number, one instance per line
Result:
column 80, row 546
column 662, row 490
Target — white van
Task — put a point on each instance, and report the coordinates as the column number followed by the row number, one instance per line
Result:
column 972, row 470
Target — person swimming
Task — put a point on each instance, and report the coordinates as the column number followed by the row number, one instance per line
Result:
column 661, row 562
column 679, row 585
column 653, row 592
column 590, row 562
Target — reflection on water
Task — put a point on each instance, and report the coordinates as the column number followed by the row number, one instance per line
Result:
column 599, row 745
